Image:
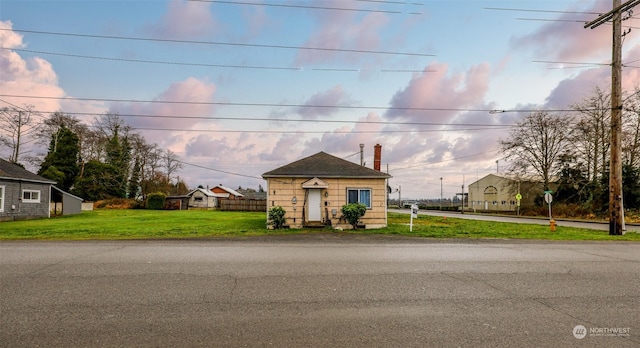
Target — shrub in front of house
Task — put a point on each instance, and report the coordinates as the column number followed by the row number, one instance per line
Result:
column 276, row 217
column 352, row 212
column 156, row 200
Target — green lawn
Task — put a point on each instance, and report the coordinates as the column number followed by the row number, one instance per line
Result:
column 153, row 224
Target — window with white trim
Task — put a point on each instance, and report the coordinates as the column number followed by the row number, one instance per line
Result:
column 30, row 196
column 1, row 199
column 359, row 195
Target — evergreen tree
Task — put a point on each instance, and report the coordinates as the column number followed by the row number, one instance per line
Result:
column 118, row 156
column 100, row 181
column 61, row 162
column 134, row 180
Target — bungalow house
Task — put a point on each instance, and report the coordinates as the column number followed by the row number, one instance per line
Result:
column 23, row 195
column 313, row 190
column 498, row 193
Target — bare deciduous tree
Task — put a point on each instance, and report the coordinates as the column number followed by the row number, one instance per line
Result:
column 593, row 132
column 537, row 143
column 15, row 126
column 171, row 163
column 631, row 131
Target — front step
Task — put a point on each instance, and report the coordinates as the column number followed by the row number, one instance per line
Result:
column 314, row 224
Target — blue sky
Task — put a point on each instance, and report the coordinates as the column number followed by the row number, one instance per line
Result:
column 454, row 60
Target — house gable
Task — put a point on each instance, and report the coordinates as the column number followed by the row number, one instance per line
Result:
column 315, row 183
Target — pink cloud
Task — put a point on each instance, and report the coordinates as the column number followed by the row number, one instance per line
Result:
column 187, row 93
column 580, row 86
column 567, row 40
column 334, row 96
column 437, row 90
column 26, row 77
column 210, row 146
column 184, row 20
column 282, row 150
column 342, row 30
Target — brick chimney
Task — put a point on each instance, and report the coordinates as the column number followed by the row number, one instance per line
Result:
column 377, row 156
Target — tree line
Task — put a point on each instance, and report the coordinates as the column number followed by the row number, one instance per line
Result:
column 571, row 150
column 102, row 160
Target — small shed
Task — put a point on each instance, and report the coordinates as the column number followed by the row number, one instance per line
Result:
column 202, row 198
column 177, row 202
column 64, row 202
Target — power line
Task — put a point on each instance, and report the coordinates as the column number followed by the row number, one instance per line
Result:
column 541, row 11
column 312, row 132
column 219, row 170
column 253, row 119
column 491, row 111
column 303, row 6
column 129, row 60
column 218, row 43
column 447, row 160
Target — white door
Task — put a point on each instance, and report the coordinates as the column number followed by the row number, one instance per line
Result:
column 314, row 206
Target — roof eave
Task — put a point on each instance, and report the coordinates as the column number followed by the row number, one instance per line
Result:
column 385, row 176
column 28, row 180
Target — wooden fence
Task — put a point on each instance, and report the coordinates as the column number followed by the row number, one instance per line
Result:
column 243, row 204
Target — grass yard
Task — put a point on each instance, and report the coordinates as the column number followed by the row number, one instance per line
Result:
column 113, row 224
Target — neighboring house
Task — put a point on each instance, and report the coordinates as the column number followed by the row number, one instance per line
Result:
column 253, row 194
column 23, row 195
column 64, row 202
column 498, row 193
column 225, row 192
column 202, row 198
column 313, row 190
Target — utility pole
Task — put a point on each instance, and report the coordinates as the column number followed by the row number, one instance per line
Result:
column 616, row 209
column 440, row 193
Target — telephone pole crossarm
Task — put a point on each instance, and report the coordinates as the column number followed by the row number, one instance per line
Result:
column 609, row 15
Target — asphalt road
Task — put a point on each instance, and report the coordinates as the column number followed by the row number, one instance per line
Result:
column 325, row 290
column 630, row 228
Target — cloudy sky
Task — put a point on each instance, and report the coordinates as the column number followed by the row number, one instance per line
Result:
column 237, row 88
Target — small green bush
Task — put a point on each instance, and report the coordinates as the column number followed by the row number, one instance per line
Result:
column 352, row 212
column 156, row 200
column 276, row 217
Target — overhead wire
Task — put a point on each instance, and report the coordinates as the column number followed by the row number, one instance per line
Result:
column 319, row 106
column 269, row 119
column 311, row 7
column 220, row 43
column 231, row 66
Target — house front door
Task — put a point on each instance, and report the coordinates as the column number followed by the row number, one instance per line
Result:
column 314, row 206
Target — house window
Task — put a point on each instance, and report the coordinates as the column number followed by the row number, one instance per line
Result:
column 359, row 196
column 30, row 196
column 1, row 199
column 197, row 199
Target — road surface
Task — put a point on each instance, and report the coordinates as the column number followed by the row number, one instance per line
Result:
column 630, row 228
column 321, row 290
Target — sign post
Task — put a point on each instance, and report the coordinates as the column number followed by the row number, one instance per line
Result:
column 518, row 198
column 414, row 214
column 548, row 198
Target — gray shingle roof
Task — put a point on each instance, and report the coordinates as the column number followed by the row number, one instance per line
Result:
column 11, row 171
column 324, row 165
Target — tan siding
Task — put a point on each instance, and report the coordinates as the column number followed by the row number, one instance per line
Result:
column 280, row 192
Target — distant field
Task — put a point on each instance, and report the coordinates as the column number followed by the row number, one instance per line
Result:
column 113, row 224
